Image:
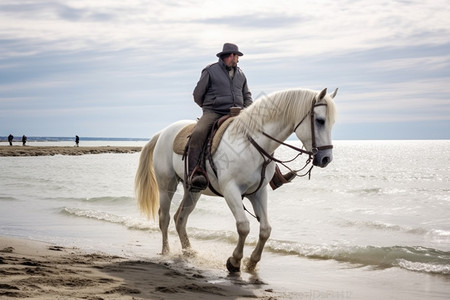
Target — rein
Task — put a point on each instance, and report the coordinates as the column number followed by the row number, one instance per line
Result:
column 268, row 158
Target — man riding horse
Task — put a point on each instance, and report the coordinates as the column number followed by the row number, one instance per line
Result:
column 222, row 85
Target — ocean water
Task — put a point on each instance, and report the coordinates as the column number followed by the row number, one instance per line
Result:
column 374, row 224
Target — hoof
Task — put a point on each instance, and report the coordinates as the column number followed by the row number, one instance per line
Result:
column 250, row 266
column 165, row 251
column 189, row 253
column 231, row 268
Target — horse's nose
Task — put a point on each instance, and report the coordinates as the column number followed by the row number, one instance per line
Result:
column 322, row 161
column 325, row 161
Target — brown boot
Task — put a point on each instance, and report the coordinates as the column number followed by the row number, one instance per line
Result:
column 197, row 182
column 279, row 179
column 197, row 178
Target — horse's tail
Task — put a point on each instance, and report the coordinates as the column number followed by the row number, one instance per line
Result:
column 145, row 184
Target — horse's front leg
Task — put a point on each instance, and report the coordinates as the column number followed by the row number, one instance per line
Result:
column 259, row 202
column 234, row 201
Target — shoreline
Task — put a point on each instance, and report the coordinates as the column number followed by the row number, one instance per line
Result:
column 63, row 150
column 39, row 270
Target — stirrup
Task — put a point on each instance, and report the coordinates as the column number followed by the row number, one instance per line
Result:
column 201, row 183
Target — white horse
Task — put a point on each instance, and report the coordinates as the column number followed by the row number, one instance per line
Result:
column 248, row 166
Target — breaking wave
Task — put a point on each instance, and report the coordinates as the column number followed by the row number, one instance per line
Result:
column 384, row 226
column 418, row 259
column 129, row 222
column 104, row 199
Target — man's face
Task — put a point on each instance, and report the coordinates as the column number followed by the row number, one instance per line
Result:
column 232, row 60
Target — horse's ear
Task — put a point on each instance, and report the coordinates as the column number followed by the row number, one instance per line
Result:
column 322, row 94
column 333, row 94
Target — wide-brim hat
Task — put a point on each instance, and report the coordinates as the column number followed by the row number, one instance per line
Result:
column 229, row 48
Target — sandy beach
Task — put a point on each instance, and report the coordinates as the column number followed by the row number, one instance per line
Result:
column 63, row 150
column 37, row 270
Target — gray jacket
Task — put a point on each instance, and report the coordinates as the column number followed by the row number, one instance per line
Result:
column 217, row 92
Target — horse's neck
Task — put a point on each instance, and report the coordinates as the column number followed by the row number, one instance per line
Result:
column 275, row 131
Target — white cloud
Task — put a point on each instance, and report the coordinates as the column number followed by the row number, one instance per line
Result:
column 416, row 100
column 289, row 28
column 108, row 52
column 33, row 85
column 428, row 63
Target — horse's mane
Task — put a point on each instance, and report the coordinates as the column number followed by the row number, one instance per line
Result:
column 287, row 107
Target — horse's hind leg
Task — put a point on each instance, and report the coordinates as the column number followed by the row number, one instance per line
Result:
column 181, row 217
column 166, row 192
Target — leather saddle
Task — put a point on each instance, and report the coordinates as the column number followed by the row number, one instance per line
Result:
column 181, row 141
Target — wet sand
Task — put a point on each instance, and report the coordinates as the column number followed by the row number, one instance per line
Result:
column 63, row 150
column 30, row 269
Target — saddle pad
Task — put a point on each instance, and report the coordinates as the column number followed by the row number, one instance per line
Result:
column 179, row 144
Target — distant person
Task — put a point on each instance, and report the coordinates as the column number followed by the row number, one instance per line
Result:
column 10, row 139
column 77, row 140
column 24, row 140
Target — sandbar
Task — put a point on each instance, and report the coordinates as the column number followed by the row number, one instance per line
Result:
column 63, row 150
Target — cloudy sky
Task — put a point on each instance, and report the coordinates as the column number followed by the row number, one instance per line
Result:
column 127, row 68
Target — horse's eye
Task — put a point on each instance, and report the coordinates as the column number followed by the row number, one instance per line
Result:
column 320, row 121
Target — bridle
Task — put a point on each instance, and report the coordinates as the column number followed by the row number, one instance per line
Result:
column 268, row 158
